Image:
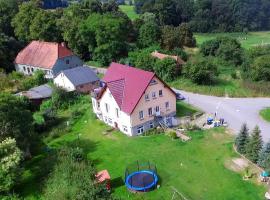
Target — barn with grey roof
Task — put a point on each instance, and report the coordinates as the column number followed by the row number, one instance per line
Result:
column 82, row 79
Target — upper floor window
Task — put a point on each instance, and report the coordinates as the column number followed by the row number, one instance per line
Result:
column 160, row 93
column 147, row 97
column 150, row 111
column 117, row 112
column 141, row 115
column 24, row 68
column 32, row 69
column 167, row 105
column 153, row 95
column 107, row 107
column 67, row 61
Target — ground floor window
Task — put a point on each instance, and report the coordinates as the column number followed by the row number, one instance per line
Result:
column 125, row 129
column 140, row 129
column 105, row 119
column 151, row 125
column 110, row 120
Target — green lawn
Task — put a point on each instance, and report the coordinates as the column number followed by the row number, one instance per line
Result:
column 196, row 168
column 184, row 109
column 247, row 41
column 129, row 10
column 265, row 113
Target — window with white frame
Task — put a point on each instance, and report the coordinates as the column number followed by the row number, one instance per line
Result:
column 150, row 112
column 125, row 129
column 167, row 105
column 110, row 120
column 151, row 125
column 160, row 93
column 141, row 115
column 157, row 109
column 147, row 97
column 107, row 107
column 140, row 129
column 153, row 95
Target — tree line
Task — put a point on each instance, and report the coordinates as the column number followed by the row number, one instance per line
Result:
column 210, row 15
column 252, row 146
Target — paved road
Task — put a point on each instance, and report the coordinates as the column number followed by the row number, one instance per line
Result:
column 235, row 111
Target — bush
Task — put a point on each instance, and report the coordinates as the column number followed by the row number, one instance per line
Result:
column 166, row 69
column 172, row 135
column 154, row 131
column 72, row 179
column 201, row 71
column 226, row 48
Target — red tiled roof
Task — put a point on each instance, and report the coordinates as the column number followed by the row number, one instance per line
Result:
column 42, row 54
column 161, row 56
column 127, row 85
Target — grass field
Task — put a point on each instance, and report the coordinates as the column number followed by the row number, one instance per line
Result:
column 265, row 114
column 196, row 168
column 247, row 40
column 129, row 10
column 184, row 109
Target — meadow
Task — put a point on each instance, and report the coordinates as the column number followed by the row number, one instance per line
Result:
column 247, row 41
column 197, row 168
column 129, row 10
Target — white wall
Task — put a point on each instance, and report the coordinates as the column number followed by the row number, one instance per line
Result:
column 29, row 70
column 110, row 117
column 62, row 81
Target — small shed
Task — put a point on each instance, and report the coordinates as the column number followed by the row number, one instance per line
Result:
column 37, row 94
column 104, row 177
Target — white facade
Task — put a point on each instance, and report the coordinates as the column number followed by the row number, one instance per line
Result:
column 108, row 111
column 63, row 82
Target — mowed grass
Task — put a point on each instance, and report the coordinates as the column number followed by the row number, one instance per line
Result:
column 184, row 109
column 196, row 168
column 247, row 40
column 129, row 10
column 265, row 114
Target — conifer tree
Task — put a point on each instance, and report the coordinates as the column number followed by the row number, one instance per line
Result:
column 264, row 157
column 242, row 139
column 254, row 146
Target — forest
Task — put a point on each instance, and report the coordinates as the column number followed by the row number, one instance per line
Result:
column 210, row 15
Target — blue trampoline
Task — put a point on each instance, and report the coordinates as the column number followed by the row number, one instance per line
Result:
column 141, row 177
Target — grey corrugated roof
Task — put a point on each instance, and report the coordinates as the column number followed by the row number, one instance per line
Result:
column 80, row 75
column 39, row 92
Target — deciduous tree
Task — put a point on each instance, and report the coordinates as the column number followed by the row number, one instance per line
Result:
column 10, row 158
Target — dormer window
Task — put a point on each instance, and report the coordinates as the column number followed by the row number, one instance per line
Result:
column 153, row 81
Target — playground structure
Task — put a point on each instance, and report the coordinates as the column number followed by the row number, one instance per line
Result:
column 141, row 177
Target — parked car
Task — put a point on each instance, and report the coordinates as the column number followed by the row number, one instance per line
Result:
column 179, row 96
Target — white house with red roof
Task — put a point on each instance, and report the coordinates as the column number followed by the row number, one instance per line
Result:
column 50, row 57
column 133, row 100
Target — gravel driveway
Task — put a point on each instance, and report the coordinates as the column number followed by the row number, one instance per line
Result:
column 235, row 111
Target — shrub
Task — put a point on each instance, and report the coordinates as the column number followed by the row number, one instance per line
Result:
column 172, row 135
column 201, row 71
column 73, row 179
